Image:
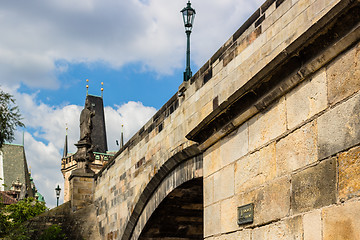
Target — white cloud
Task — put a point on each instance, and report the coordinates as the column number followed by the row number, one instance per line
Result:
column 40, row 38
column 38, row 33
column 44, row 147
column 133, row 115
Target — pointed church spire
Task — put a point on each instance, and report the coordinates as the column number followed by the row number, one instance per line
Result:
column 122, row 137
column 66, row 143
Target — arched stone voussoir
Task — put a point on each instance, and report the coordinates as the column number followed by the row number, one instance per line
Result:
column 180, row 168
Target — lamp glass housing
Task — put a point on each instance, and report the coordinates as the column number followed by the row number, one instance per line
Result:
column 188, row 16
column 58, row 190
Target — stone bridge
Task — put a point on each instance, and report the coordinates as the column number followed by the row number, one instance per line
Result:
column 272, row 120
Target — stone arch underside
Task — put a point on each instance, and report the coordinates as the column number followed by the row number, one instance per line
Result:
column 179, row 215
column 183, row 167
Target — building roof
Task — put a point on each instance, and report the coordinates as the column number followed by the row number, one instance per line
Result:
column 15, row 166
column 6, row 199
column 39, row 197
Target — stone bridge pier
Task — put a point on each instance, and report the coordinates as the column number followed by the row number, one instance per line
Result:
column 263, row 142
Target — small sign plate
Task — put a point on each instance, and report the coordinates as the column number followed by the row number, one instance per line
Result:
column 246, row 214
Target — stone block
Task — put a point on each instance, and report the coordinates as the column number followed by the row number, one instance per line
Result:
column 255, row 169
column 208, row 190
column 259, row 233
column 349, row 174
column 297, row 150
column 224, row 182
column 211, row 159
column 343, row 75
column 288, row 229
column 271, row 202
column 307, row 100
column 314, row 187
column 283, row 230
column 206, row 109
column 338, row 128
column 275, row 201
column 342, row 222
column 267, row 125
column 212, row 221
column 312, row 225
column 234, row 146
column 229, row 215
column 240, row 235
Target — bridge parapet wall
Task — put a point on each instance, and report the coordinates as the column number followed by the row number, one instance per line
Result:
column 277, row 31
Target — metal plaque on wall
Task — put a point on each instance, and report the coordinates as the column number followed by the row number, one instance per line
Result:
column 246, row 214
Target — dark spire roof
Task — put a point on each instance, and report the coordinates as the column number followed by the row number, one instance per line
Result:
column 98, row 133
column 65, row 147
column 122, row 137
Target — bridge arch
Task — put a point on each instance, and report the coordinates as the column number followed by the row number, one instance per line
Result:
column 183, row 170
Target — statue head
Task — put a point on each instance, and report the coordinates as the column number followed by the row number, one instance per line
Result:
column 87, row 104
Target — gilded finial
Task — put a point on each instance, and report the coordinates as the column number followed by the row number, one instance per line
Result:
column 66, row 128
column 87, row 87
column 102, row 88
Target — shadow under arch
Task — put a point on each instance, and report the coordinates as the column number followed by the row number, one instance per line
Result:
column 183, row 167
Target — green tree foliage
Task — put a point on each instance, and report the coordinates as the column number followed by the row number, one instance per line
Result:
column 54, row 232
column 10, row 117
column 12, row 216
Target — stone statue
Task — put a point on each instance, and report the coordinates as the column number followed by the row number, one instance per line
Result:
column 84, row 155
column 86, row 123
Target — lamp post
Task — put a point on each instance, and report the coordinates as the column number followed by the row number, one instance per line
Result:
column 188, row 16
column 57, row 191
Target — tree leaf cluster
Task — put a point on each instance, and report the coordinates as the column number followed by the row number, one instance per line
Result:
column 10, row 117
column 12, row 216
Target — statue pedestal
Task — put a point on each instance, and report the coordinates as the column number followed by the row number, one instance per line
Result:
column 84, row 155
column 81, row 188
column 82, row 179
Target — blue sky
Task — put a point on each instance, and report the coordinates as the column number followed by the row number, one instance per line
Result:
column 137, row 48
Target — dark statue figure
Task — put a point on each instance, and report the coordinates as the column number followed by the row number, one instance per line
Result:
column 86, row 123
column 84, row 155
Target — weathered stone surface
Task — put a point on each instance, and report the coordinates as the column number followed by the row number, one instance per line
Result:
column 208, row 190
column 255, row 169
column 212, row 160
column 81, row 190
column 240, row 235
column 312, row 225
column 267, row 125
column 307, row 100
column 212, row 221
column 229, row 215
column 282, row 230
column 349, row 174
column 314, row 187
column 338, row 128
column 234, row 146
column 271, row 202
column 342, row 222
column 343, row 75
column 288, row 229
column 76, row 226
column 297, row 150
column 224, row 182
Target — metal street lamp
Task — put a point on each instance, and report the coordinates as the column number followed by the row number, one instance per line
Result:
column 188, row 17
column 57, row 191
